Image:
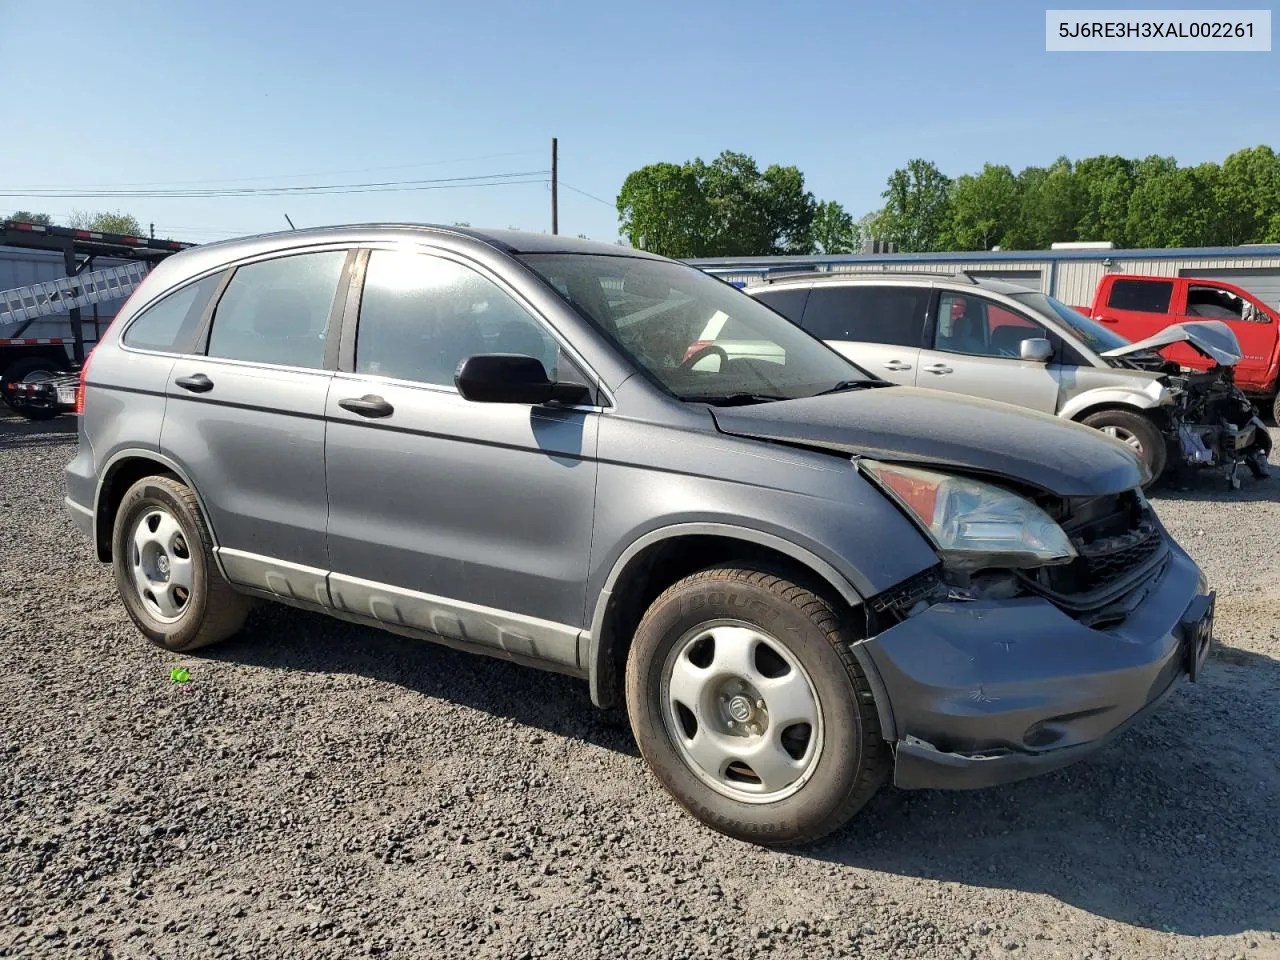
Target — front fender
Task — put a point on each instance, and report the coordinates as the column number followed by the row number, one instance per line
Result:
column 1147, row 398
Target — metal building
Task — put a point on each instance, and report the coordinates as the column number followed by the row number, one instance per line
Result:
column 1069, row 275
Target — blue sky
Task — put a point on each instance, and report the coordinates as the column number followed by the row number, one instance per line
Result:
column 106, row 94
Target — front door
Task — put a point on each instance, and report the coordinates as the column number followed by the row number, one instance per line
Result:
column 467, row 520
column 245, row 419
column 975, row 350
column 1253, row 327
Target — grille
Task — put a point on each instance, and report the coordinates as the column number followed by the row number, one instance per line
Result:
column 1116, row 538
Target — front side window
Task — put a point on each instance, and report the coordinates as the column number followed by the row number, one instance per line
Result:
column 1213, row 303
column 277, row 311
column 868, row 314
column 696, row 338
column 1144, row 296
column 1099, row 338
column 981, row 328
column 170, row 324
column 421, row 316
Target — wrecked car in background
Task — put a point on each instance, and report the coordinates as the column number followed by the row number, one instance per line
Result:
column 1000, row 341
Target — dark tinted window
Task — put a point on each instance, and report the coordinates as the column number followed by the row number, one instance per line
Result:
column 980, row 327
column 277, row 311
column 421, row 316
column 788, row 301
column 892, row 315
column 170, row 323
column 1148, row 296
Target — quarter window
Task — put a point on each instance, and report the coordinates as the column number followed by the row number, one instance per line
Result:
column 788, row 301
column 421, row 316
column 1144, row 296
column 981, row 328
column 867, row 314
column 170, row 324
column 277, row 311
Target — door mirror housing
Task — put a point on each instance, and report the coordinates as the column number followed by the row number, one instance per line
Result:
column 513, row 378
column 1036, row 349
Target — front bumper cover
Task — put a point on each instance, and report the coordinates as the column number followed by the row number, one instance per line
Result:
column 988, row 692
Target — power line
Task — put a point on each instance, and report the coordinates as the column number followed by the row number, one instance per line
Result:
column 385, row 186
column 288, row 176
column 585, row 194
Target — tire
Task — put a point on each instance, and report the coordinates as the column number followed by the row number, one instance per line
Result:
column 1137, row 431
column 840, row 764
column 178, row 618
column 1275, row 409
column 26, row 370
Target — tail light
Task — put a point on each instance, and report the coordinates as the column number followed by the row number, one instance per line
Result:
column 84, row 372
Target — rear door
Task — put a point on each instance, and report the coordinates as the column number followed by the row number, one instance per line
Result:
column 1137, row 308
column 245, row 418
column 468, row 520
column 1213, row 300
column 974, row 350
column 877, row 327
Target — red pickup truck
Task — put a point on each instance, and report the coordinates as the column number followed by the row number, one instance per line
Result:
column 1137, row 307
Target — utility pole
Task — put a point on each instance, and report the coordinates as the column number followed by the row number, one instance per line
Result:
column 555, row 185
column 153, row 231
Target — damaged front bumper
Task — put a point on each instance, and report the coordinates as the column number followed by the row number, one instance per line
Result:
column 990, row 691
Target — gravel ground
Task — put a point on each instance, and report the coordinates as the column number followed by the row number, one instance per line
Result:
column 322, row 790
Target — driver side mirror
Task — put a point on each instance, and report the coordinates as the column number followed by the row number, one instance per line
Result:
column 512, row 378
column 1036, row 349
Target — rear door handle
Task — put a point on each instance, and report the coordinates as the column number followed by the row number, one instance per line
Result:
column 196, row 383
column 938, row 368
column 370, row 405
column 896, row 365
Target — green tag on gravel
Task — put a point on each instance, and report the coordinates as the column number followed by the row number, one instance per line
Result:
column 179, row 675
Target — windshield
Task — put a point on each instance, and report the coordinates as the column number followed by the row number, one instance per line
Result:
column 1097, row 337
column 695, row 336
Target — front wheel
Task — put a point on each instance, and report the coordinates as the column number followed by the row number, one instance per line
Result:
column 1137, row 432
column 750, row 708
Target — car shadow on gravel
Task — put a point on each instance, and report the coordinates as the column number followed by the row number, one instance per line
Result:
column 1176, row 827
column 282, row 638
column 17, row 433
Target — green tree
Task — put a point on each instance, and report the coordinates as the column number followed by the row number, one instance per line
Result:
column 104, row 221
column 725, row 208
column 1172, row 206
column 834, row 229
column 1248, row 195
column 917, row 209
column 662, row 208
column 26, row 216
column 1105, row 183
column 1048, row 207
column 984, row 207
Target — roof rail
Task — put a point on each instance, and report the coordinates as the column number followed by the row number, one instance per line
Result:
column 864, row 274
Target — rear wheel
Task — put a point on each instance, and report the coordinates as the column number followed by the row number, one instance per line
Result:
column 165, row 572
column 748, row 705
column 1137, row 432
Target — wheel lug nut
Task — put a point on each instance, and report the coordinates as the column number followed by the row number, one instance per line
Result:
column 759, row 704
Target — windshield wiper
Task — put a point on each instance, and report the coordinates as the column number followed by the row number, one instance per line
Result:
column 734, row 399
column 844, row 385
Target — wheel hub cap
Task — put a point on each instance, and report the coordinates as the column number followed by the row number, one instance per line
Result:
column 160, row 565
column 741, row 711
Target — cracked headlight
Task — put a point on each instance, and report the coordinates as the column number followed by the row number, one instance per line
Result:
column 974, row 524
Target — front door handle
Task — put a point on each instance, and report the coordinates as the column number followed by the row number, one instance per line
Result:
column 938, row 368
column 896, row 365
column 370, row 405
column 196, row 383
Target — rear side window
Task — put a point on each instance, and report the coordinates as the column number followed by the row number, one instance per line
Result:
column 1145, row 296
column 890, row 315
column 277, row 311
column 170, row 324
column 787, row 301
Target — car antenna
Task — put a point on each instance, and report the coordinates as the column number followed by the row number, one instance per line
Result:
column 290, row 222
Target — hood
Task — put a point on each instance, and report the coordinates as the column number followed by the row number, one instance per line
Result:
column 1213, row 338
column 936, row 429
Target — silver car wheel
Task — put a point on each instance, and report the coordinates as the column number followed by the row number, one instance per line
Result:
column 1124, row 436
column 741, row 711
column 160, row 565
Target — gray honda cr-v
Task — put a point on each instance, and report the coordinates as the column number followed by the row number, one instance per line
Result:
column 800, row 580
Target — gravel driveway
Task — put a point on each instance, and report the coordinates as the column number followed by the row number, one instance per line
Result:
column 324, row 790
